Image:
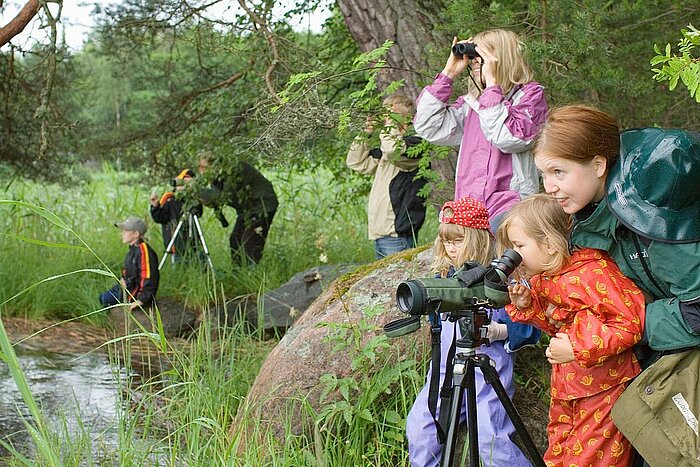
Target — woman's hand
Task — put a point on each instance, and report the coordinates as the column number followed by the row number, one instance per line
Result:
column 488, row 65
column 520, row 296
column 560, row 349
column 455, row 64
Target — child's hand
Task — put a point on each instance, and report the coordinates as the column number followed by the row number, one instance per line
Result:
column 496, row 331
column 488, row 64
column 455, row 64
column 560, row 349
column 520, row 296
column 549, row 312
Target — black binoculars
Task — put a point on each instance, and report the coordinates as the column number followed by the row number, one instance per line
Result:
column 465, row 48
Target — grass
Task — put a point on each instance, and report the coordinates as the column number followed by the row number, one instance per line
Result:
column 59, row 249
column 317, row 222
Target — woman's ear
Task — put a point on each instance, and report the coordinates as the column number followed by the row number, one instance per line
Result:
column 600, row 164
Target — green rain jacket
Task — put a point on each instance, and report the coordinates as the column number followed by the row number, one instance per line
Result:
column 675, row 267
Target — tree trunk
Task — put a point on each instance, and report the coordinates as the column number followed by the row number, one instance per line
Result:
column 409, row 25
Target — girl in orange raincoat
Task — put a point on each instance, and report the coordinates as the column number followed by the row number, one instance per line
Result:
column 594, row 314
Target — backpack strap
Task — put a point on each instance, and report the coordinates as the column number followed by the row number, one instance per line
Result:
column 512, row 91
column 435, row 331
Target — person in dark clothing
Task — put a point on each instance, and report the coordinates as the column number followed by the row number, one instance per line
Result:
column 167, row 211
column 139, row 281
column 252, row 196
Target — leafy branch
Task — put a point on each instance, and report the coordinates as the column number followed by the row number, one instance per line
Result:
column 684, row 66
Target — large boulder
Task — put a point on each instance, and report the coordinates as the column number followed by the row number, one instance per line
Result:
column 177, row 319
column 291, row 374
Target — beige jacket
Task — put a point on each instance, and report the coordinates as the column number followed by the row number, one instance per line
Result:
column 381, row 217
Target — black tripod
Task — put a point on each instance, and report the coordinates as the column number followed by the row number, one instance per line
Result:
column 193, row 227
column 463, row 376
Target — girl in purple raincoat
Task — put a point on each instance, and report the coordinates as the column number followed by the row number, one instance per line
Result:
column 493, row 124
column 464, row 236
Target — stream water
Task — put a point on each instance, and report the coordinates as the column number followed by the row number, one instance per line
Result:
column 71, row 391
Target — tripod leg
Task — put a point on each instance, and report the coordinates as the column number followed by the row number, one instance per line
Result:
column 491, row 377
column 169, row 248
column 455, row 409
column 200, row 234
column 472, row 423
column 463, row 376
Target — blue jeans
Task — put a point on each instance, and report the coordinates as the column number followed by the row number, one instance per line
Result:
column 385, row 246
column 112, row 296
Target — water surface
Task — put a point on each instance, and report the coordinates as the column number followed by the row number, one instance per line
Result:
column 69, row 389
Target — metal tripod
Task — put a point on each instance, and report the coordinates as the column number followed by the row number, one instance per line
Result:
column 193, row 226
column 465, row 363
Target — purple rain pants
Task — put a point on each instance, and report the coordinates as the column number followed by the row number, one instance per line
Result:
column 495, row 446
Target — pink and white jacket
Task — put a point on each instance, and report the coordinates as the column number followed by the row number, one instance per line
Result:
column 493, row 134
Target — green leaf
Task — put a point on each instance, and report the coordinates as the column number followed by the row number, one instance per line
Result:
column 394, row 435
column 345, row 391
column 365, row 414
column 658, row 59
column 392, row 416
column 673, row 82
column 34, row 241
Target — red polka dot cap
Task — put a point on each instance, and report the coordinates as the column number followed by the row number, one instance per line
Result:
column 467, row 212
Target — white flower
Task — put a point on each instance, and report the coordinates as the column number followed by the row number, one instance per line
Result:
column 323, row 258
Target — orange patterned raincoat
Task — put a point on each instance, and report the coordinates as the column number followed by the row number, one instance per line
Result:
column 603, row 315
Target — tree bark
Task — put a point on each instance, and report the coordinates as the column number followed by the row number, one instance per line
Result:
column 409, row 24
column 19, row 22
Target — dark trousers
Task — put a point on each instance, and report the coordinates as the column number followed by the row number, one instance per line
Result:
column 248, row 237
column 112, row 296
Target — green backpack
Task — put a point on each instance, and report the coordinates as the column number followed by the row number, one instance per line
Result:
column 658, row 412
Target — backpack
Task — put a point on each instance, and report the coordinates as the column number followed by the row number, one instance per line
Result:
column 658, row 412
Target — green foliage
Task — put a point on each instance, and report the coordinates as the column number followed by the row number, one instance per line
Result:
column 366, row 409
column 593, row 52
column 684, row 67
column 22, row 112
column 65, row 240
column 158, row 82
